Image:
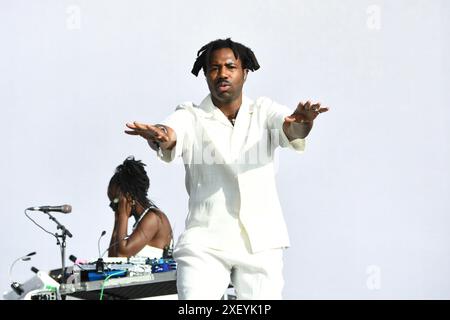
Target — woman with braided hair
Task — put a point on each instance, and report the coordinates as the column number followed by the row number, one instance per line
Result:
column 127, row 192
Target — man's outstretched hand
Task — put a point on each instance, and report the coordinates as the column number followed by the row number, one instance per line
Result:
column 156, row 135
column 299, row 124
column 306, row 112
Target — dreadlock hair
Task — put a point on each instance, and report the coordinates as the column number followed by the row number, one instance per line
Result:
column 131, row 178
column 240, row 51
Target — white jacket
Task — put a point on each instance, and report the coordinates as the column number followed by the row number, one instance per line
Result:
column 230, row 175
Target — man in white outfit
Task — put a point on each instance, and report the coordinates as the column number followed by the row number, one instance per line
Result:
column 235, row 231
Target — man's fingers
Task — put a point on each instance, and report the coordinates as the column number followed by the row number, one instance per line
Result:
column 134, row 133
column 290, row 119
column 308, row 111
column 308, row 105
column 315, row 106
column 147, row 131
column 135, row 125
column 141, row 126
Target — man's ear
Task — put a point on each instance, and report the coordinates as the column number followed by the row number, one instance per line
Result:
column 245, row 74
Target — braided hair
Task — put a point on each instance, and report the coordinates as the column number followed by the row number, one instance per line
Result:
column 240, row 51
column 131, row 178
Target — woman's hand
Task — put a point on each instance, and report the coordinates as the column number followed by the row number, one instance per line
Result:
column 125, row 206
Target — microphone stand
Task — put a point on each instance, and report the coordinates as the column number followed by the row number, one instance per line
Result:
column 61, row 244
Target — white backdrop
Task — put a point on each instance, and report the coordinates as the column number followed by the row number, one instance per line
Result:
column 367, row 204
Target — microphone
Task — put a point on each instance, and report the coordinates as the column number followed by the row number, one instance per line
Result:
column 100, row 265
column 27, row 257
column 98, row 242
column 65, row 208
column 16, row 286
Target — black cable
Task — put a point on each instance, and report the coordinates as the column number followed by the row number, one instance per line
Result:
column 39, row 225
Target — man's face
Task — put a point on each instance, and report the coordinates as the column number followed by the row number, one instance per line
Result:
column 225, row 76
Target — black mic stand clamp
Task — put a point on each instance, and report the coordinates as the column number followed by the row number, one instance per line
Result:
column 17, row 287
column 61, row 244
column 100, row 266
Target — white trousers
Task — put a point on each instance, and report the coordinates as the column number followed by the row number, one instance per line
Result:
column 205, row 274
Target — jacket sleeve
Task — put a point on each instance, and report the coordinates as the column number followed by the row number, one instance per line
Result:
column 181, row 121
column 275, row 118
